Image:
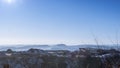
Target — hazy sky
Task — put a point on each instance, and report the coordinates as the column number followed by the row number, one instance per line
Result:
column 59, row 21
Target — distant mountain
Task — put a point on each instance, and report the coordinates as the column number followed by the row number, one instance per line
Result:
column 61, row 45
column 55, row 47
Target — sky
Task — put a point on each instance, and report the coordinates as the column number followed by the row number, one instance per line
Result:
column 59, row 21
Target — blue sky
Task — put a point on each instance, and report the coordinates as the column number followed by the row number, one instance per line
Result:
column 59, row 21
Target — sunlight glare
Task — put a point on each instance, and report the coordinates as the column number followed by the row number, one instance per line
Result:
column 9, row 1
